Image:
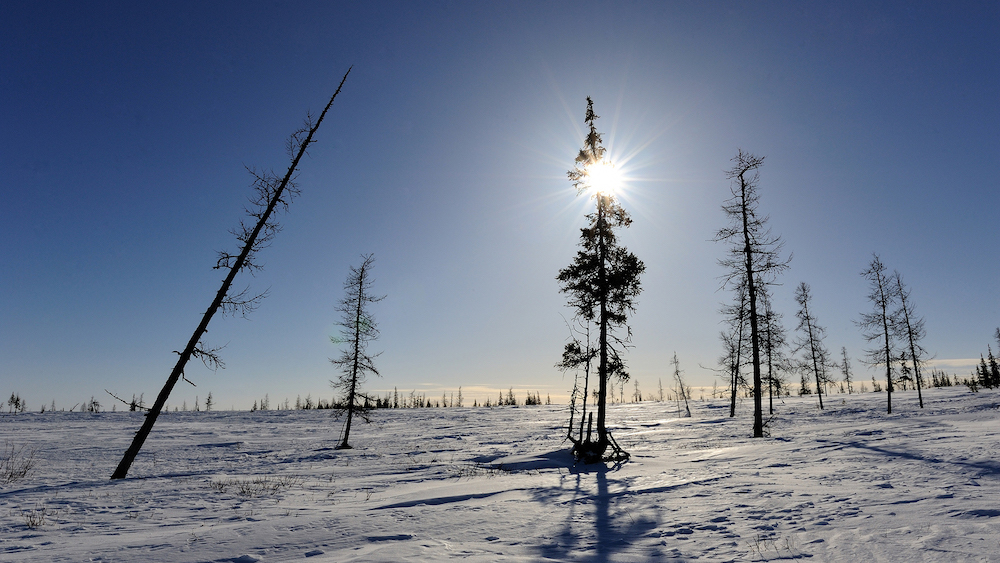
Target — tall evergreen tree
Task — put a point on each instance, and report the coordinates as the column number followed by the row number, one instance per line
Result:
column 603, row 281
column 754, row 255
column 357, row 330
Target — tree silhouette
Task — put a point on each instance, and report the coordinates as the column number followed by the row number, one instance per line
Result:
column 734, row 342
column 602, row 282
column 270, row 193
column 754, row 255
column 877, row 326
column 911, row 330
column 357, row 330
column 815, row 356
column 773, row 340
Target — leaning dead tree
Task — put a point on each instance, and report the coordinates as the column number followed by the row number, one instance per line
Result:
column 682, row 390
column 270, row 193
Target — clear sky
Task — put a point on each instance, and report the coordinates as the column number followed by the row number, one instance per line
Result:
column 125, row 129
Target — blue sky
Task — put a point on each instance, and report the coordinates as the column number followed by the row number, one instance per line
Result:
column 125, row 130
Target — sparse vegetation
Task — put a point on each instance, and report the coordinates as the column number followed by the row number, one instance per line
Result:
column 252, row 487
column 16, row 462
column 34, row 518
column 16, row 404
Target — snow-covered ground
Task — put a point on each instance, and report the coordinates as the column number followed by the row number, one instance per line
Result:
column 849, row 483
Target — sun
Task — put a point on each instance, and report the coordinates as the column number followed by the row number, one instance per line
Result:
column 603, row 178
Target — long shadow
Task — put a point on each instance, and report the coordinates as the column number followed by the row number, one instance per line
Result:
column 985, row 468
column 611, row 534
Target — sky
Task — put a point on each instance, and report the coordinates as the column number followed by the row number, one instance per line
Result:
column 126, row 129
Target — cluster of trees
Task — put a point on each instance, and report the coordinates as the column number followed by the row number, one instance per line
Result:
column 602, row 285
column 894, row 330
column 16, row 404
column 755, row 340
column 987, row 373
column 397, row 400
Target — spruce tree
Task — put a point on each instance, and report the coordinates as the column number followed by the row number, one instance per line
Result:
column 603, row 281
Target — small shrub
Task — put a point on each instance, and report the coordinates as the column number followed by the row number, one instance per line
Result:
column 34, row 518
column 15, row 463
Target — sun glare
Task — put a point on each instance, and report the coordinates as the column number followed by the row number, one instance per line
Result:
column 603, row 178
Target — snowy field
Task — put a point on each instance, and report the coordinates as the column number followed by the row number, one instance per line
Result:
column 846, row 484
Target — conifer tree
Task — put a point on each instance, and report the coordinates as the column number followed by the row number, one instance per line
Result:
column 357, row 330
column 773, row 339
column 753, row 258
column 877, row 326
column 911, row 331
column 815, row 357
column 845, row 369
column 603, row 281
column 734, row 341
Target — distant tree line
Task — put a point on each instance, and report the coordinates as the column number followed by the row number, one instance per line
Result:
column 411, row 400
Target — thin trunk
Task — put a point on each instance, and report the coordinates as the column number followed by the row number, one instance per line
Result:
column 739, row 351
column 602, row 437
column 770, row 371
column 913, row 346
column 758, row 418
column 815, row 361
column 916, row 367
column 888, row 348
column 140, row 437
column 357, row 352
column 586, row 384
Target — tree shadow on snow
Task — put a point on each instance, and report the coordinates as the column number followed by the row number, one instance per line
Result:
column 984, row 468
column 595, row 528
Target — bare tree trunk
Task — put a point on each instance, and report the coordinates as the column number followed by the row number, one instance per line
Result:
column 354, row 369
column 586, row 383
column 140, row 437
column 758, row 419
column 815, row 362
column 602, row 432
column 888, row 356
column 912, row 333
column 739, row 351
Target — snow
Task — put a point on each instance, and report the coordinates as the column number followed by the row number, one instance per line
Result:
column 849, row 483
